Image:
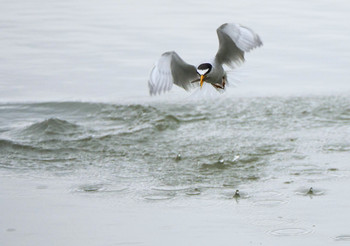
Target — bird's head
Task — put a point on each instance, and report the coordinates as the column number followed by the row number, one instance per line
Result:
column 203, row 69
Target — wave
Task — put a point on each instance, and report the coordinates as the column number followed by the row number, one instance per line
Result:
column 52, row 126
column 78, row 133
column 17, row 148
column 5, row 145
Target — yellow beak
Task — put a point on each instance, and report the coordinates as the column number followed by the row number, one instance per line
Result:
column 202, row 80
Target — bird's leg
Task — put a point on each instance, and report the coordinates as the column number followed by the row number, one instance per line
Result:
column 223, row 82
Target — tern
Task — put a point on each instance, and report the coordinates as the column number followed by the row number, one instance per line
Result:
column 234, row 40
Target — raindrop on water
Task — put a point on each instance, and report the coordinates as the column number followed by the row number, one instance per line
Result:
column 236, row 195
column 310, row 192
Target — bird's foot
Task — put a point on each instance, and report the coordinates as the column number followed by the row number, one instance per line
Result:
column 222, row 85
column 218, row 86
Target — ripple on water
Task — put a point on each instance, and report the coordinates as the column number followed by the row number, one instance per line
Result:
column 158, row 197
column 269, row 198
column 342, row 238
column 91, row 188
column 170, row 188
column 167, row 192
column 269, row 202
column 310, row 192
column 98, row 188
column 193, row 192
column 340, row 147
column 42, row 187
column 234, row 194
column 270, row 221
column 290, row 232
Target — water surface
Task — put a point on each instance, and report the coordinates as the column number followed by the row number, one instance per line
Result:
column 88, row 158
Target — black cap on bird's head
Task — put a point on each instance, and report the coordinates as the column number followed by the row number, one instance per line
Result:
column 203, row 69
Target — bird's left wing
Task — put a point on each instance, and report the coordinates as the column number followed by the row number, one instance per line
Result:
column 234, row 40
column 171, row 69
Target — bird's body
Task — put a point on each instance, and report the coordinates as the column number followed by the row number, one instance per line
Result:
column 170, row 69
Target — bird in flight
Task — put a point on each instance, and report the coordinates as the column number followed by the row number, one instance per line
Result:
column 234, row 40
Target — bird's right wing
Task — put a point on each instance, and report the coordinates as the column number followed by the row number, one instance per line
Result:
column 171, row 69
column 234, row 40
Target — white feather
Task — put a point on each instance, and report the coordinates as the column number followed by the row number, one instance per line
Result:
column 244, row 37
column 161, row 79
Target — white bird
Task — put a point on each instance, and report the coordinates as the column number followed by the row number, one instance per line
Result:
column 234, row 40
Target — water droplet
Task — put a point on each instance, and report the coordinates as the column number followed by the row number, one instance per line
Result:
column 236, row 195
column 235, row 158
column 332, row 169
column 310, row 192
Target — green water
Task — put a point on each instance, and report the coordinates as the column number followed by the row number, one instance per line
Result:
column 172, row 149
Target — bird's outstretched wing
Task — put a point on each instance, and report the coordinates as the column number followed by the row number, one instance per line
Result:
column 234, row 40
column 171, row 69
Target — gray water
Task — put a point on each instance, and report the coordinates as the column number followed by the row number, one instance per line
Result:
column 104, row 50
column 181, row 156
column 87, row 157
column 211, row 148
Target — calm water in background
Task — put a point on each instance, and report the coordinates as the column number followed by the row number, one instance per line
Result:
column 104, row 50
column 88, row 158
